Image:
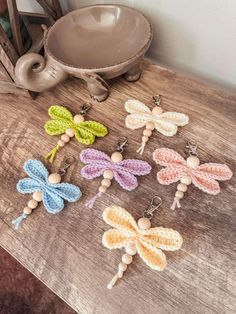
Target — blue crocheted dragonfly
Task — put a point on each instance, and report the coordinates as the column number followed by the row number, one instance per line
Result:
column 46, row 188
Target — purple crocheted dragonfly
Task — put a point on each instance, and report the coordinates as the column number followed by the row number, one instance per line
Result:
column 123, row 171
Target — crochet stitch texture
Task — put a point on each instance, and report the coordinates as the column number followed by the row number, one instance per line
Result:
column 53, row 194
column 149, row 243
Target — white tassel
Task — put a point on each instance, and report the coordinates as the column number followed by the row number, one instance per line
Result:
column 176, row 202
column 141, row 148
column 114, row 279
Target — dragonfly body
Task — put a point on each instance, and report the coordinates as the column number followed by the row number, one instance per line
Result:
column 164, row 122
column 203, row 176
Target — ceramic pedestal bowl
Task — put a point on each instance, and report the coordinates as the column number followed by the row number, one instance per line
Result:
column 94, row 43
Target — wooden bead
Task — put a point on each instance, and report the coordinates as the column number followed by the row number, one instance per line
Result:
column 147, row 132
column 193, row 162
column 106, row 182
column 131, row 249
column 116, row 157
column 60, row 143
column 27, row 210
column 186, row 180
column 127, row 259
column 150, row 126
column 102, row 189
column 70, row 132
column 144, row 223
column 157, row 110
column 65, row 138
column 54, row 178
column 122, row 266
column 38, row 196
column 144, row 139
column 108, row 174
column 179, row 194
column 182, row 187
column 78, row 118
column 32, row 204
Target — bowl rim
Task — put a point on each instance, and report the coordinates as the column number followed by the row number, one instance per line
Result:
column 110, row 67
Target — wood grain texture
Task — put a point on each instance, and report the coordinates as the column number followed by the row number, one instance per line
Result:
column 65, row 250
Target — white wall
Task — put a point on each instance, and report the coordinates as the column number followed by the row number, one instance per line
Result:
column 194, row 36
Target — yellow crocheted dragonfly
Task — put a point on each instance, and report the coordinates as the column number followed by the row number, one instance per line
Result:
column 138, row 238
column 63, row 122
column 164, row 122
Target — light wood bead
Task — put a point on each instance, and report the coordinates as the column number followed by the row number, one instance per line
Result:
column 179, row 194
column 150, row 126
column 54, row 178
column 122, row 266
column 193, row 162
column 108, row 174
column 116, row 157
column 65, row 138
column 144, row 139
column 102, row 189
column 131, row 249
column 147, row 132
column 27, row 210
column 144, row 223
column 60, row 143
column 127, row 259
column 106, row 183
column 78, row 118
column 70, row 132
column 186, row 180
column 157, row 110
column 182, row 187
column 38, row 196
column 32, row 204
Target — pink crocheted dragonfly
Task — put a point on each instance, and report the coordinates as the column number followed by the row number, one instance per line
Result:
column 189, row 171
column 123, row 171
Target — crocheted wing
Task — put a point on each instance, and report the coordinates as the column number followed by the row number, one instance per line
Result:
column 175, row 165
column 125, row 171
column 85, row 132
column 167, row 123
column 55, row 194
column 62, row 119
column 139, row 115
column 206, row 175
column 97, row 162
column 124, row 224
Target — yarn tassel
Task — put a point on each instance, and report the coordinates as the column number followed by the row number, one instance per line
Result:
column 176, row 202
column 141, row 148
column 114, row 279
column 92, row 200
column 17, row 222
column 52, row 154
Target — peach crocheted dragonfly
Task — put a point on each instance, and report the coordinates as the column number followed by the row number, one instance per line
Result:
column 164, row 122
column 189, row 171
column 138, row 238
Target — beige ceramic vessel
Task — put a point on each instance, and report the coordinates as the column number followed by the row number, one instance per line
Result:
column 94, row 43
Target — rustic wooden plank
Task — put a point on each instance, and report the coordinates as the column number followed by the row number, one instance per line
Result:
column 65, row 251
column 15, row 26
column 4, row 76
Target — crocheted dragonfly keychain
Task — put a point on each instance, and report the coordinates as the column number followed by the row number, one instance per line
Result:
column 164, row 122
column 45, row 188
column 138, row 238
column 123, row 171
column 189, row 171
column 64, row 123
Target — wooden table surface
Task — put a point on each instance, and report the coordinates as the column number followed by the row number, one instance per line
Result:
column 65, row 250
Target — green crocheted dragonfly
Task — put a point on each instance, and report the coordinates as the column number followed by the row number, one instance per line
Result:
column 63, row 122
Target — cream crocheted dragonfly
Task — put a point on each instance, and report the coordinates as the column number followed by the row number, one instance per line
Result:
column 138, row 238
column 164, row 122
